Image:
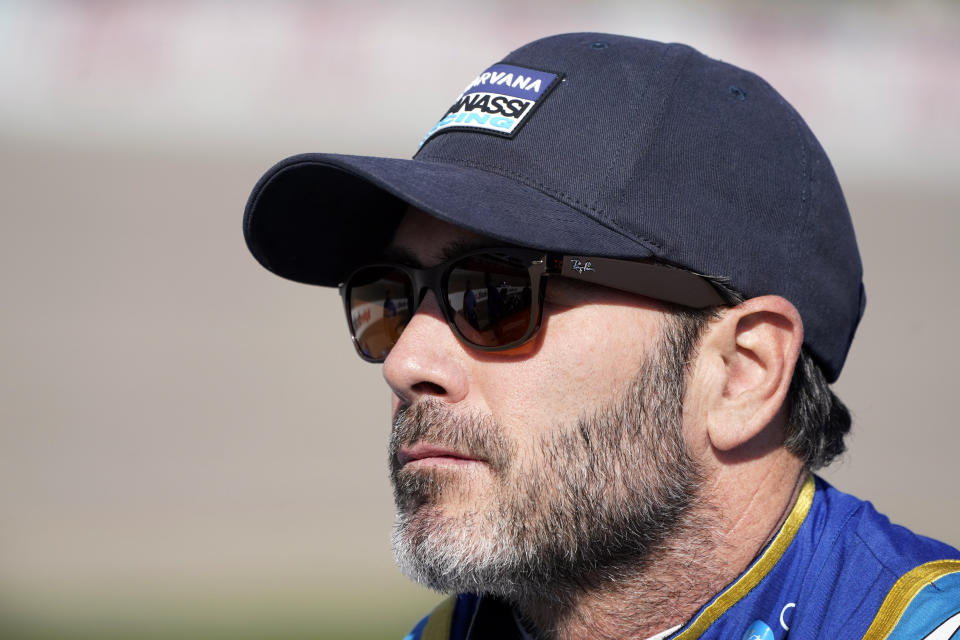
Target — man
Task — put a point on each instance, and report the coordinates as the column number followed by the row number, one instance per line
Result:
column 617, row 439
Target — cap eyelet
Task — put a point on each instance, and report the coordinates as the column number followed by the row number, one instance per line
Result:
column 737, row 92
column 598, row 45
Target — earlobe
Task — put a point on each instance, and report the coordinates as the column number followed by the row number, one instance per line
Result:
column 753, row 349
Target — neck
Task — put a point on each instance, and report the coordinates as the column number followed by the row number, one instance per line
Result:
column 665, row 589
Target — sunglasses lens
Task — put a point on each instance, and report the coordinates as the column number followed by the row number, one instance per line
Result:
column 379, row 303
column 491, row 299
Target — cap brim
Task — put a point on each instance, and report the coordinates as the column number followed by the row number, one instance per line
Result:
column 314, row 217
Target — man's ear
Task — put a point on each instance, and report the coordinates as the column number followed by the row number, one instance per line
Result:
column 746, row 362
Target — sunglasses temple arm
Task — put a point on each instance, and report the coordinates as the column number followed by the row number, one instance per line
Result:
column 658, row 281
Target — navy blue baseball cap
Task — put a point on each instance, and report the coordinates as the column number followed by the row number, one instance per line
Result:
column 601, row 145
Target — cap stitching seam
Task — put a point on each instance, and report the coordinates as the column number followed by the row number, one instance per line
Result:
column 598, row 216
column 685, row 56
column 805, row 195
column 805, row 206
column 806, row 175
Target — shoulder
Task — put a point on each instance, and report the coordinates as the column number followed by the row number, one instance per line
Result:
column 868, row 571
column 856, row 534
column 923, row 603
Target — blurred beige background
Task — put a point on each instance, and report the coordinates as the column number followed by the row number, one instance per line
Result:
column 189, row 443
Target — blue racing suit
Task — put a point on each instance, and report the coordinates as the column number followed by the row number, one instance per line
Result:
column 837, row 569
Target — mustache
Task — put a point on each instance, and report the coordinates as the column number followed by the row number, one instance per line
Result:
column 431, row 421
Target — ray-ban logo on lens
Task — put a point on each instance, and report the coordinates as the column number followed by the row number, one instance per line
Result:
column 580, row 267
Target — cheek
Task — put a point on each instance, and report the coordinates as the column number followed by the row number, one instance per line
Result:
column 588, row 356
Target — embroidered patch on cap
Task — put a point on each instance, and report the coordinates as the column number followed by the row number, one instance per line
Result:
column 498, row 101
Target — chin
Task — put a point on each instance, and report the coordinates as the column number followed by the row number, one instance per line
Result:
column 455, row 548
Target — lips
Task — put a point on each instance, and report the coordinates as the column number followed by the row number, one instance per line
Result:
column 432, row 453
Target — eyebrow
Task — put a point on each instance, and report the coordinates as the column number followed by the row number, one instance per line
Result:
column 401, row 255
column 405, row 256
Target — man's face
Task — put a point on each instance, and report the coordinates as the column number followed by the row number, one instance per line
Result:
column 555, row 463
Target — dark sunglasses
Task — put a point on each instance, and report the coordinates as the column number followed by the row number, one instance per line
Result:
column 493, row 298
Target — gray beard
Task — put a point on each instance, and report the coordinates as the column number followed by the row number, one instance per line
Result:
column 588, row 509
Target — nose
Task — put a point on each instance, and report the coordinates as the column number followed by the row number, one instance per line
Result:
column 427, row 361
